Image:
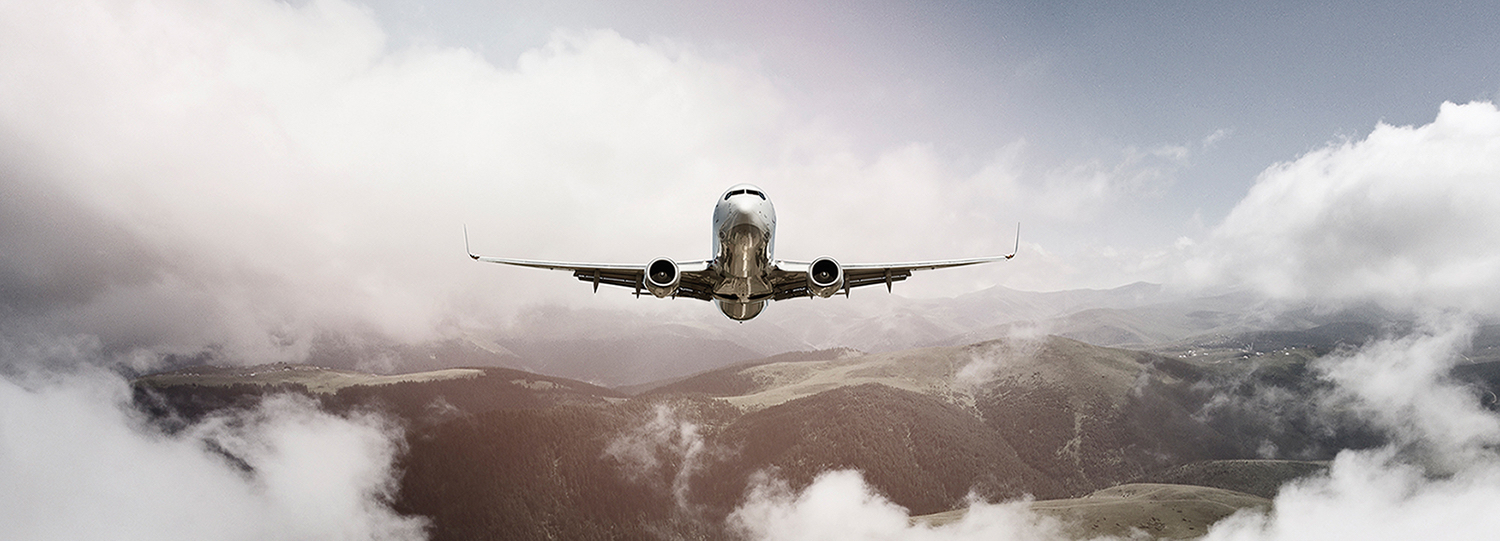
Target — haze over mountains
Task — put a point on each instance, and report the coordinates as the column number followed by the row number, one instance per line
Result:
column 642, row 348
column 1212, row 410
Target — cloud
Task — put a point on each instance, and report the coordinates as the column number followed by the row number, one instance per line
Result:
column 250, row 173
column 1022, row 342
column 1075, row 192
column 839, row 505
column 80, row 462
column 1438, row 475
column 1404, row 217
column 1369, row 496
column 1403, row 385
column 666, row 445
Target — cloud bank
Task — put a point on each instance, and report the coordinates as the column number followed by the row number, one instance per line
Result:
column 1404, row 217
column 79, row 462
column 1439, row 474
column 249, row 173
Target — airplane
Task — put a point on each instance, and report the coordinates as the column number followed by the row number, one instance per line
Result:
column 743, row 273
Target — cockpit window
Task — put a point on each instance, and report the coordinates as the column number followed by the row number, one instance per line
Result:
column 738, row 192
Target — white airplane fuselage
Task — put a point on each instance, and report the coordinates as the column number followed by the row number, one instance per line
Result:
column 744, row 247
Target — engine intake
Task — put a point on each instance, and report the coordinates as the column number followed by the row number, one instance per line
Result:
column 662, row 277
column 824, row 277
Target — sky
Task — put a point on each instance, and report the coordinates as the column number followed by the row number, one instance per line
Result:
column 254, row 170
column 251, row 171
column 240, row 175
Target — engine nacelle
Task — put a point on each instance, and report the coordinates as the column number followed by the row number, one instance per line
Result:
column 662, row 277
column 824, row 277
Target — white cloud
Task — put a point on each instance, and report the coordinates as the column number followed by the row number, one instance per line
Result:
column 1022, row 343
column 665, row 438
column 1404, row 216
column 1078, row 192
column 249, row 172
column 79, row 462
column 1439, row 476
column 1211, row 140
column 278, row 170
column 1369, row 496
column 1403, row 386
column 839, row 505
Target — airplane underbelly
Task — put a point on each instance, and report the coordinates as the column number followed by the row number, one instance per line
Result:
column 744, row 263
column 740, row 311
column 744, row 252
column 743, row 289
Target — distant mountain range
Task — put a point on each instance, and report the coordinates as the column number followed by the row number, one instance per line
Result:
column 1149, row 403
column 624, row 349
column 503, row 453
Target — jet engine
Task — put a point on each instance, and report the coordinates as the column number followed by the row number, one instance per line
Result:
column 662, row 277
column 824, row 277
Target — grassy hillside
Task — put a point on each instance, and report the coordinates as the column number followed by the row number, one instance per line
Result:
column 428, row 397
column 1257, row 477
column 313, row 378
column 918, row 450
column 733, row 380
column 1134, row 511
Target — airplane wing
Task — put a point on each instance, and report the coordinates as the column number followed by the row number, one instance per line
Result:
column 789, row 278
column 695, row 283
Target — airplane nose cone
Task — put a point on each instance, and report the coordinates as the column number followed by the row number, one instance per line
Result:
column 745, row 210
column 743, row 204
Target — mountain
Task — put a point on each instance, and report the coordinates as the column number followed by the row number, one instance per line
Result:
column 997, row 394
column 1260, row 478
column 666, row 340
column 671, row 340
column 1051, row 417
column 188, row 394
column 1160, row 511
column 893, row 323
column 1135, row 511
column 497, row 452
column 631, row 359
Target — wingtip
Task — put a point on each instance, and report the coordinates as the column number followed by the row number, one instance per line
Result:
column 1017, row 249
column 467, row 250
